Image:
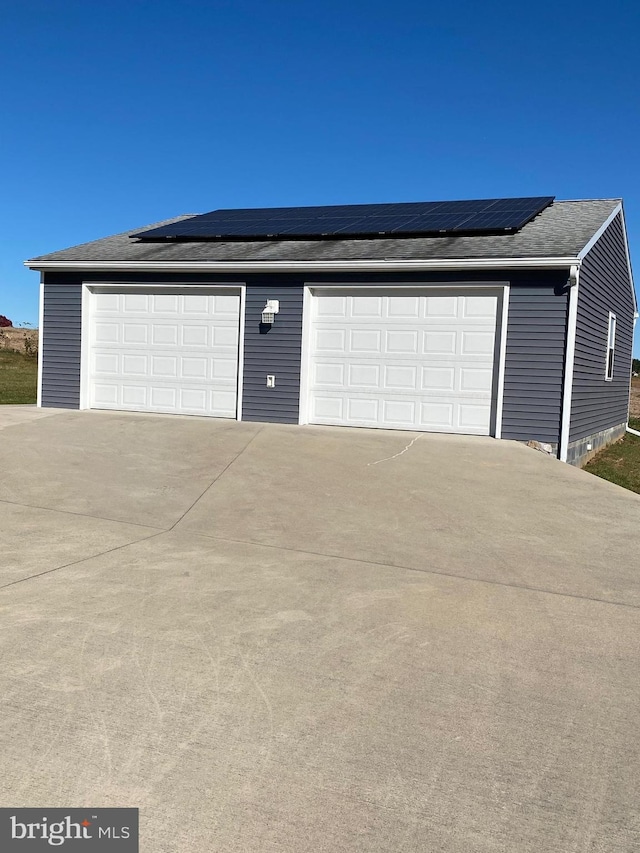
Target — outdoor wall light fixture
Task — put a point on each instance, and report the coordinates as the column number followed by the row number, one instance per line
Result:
column 271, row 308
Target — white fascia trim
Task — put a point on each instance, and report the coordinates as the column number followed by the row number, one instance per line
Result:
column 568, row 363
column 40, row 342
column 307, row 266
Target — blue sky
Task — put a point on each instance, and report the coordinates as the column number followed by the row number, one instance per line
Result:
column 119, row 114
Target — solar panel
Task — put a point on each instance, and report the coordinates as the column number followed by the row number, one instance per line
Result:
column 474, row 216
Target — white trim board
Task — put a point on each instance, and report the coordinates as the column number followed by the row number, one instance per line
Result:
column 385, row 265
column 305, row 355
column 570, row 349
column 502, row 363
column 40, row 341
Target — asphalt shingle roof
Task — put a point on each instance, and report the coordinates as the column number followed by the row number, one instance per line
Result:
column 561, row 230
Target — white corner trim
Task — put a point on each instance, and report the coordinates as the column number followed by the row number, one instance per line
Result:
column 85, row 345
column 388, row 265
column 568, row 363
column 240, row 380
column 40, row 342
column 504, row 319
column 617, row 209
column 305, row 355
column 626, row 249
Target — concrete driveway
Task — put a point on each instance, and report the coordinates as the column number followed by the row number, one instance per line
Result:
column 274, row 638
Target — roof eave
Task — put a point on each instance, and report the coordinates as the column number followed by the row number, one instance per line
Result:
column 385, row 265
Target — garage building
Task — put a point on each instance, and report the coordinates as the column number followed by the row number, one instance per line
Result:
column 504, row 317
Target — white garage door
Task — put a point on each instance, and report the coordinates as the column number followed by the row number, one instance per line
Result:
column 403, row 359
column 164, row 351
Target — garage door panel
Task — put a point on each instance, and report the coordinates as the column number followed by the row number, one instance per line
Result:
column 105, row 394
column 194, row 336
column 366, row 306
column 402, row 307
column 437, row 415
column 477, row 343
column 400, row 377
column 329, row 374
column 180, row 356
column 330, row 340
column 193, row 399
column 162, row 334
column 440, row 307
column 332, row 306
column 438, row 379
column 399, row 412
column 365, row 340
column 106, row 302
column 107, row 333
column 135, row 333
column 479, row 307
column 473, row 417
column 135, row 302
column 224, row 336
column 476, row 379
column 363, row 375
column 106, row 363
column 362, row 410
column 196, row 304
column 439, row 343
column 418, row 361
column 193, row 368
column 401, row 342
column 164, row 303
column 134, row 395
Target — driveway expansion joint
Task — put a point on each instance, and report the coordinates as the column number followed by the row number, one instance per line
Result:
column 84, row 515
column 83, row 559
column 453, row 575
column 215, row 480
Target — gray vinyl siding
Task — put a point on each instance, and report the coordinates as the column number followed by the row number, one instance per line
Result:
column 605, row 286
column 60, row 346
column 534, row 369
column 275, row 350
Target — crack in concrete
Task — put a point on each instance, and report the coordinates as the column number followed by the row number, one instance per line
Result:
column 395, row 455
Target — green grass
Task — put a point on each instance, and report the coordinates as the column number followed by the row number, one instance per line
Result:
column 18, row 377
column 620, row 462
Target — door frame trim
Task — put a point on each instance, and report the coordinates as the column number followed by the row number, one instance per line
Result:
column 89, row 289
column 307, row 330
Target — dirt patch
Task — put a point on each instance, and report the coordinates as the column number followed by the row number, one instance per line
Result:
column 634, row 406
column 18, row 339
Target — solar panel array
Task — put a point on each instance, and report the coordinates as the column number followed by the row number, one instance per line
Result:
column 496, row 215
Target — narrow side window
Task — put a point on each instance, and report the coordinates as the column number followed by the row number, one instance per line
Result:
column 611, row 346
